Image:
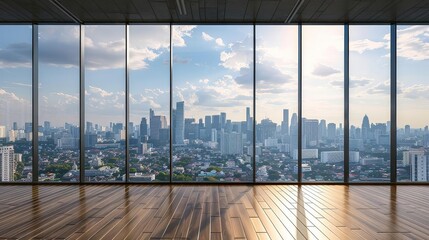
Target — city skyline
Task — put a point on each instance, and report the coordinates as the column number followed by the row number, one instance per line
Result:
column 373, row 42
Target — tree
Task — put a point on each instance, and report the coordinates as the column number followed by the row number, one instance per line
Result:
column 273, row 175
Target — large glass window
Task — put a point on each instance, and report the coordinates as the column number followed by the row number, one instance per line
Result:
column 413, row 102
column 369, row 103
column 276, row 103
column 322, row 103
column 149, row 127
column 15, row 103
column 104, row 103
column 213, row 97
column 58, row 103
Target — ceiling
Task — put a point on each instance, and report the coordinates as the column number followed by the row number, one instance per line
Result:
column 214, row 11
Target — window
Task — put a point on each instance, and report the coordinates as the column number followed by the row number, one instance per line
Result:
column 149, row 127
column 412, row 101
column 59, row 103
column 15, row 103
column 212, row 101
column 322, row 103
column 104, row 103
column 369, row 103
column 276, row 103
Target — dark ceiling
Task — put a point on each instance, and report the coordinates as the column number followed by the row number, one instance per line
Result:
column 214, row 11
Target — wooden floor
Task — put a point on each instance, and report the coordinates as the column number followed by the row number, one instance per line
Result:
column 214, row 212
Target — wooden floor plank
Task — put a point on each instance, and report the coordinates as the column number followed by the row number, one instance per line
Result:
column 214, row 212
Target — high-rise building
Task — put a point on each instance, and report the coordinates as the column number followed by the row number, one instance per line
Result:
column 310, row 132
column 231, row 143
column 365, row 128
column 418, row 165
column 143, row 130
column 332, row 127
column 216, row 122
column 294, row 132
column 7, row 163
column 28, row 127
column 285, row 122
column 248, row 119
column 15, row 126
column 322, row 129
column 407, row 130
column 222, row 120
column 2, row 131
column 179, row 128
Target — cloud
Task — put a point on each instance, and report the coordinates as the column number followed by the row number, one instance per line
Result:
column 9, row 96
column 381, row 88
column 179, row 33
column 238, row 56
column 412, row 42
column 219, row 42
column 16, row 55
column 364, row 45
column 324, row 71
column 352, row 84
column 100, row 92
column 417, row 91
column 206, row 37
column 224, row 92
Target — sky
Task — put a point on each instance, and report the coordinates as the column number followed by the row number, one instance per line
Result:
column 213, row 72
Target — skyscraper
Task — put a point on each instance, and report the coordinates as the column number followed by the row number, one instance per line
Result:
column 179, row 129
column 7, row 163
column 332, row 131
column 285, row 122
column 322, row 129
column 294, row 132
column 143, row 130
column 231, row 143
column 222, row 119
column 365, row 128
column 248, row 119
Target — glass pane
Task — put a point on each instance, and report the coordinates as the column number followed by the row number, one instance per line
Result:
column 413, row 102
column 323, row 103
column 213, row 98
column 369, row 103
column 104, row 103
column 276, row 103
column 15, row 103
column 58, row 103
column 149, row 127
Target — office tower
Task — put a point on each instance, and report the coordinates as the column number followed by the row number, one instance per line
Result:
column 222, row 120
column 216, row 122
column 310, row 132
column 248, row 119
column 322, row 129
column 46, row 125
column 15, row 126
column 231, row 143
column 188, row 127
column 28, row 127
column 143, row 130
column 332, row 127
column 89, row 128
column 407, row 130
column 179, row 129
column 266, row 129
column 208, row 127
column 285, row 122
column 293, row 132
column 7, row 163
column 155, row 126
column 200, row 123
column 117, row 127
column 418, row 164
column 2, row 131
column 365, row 128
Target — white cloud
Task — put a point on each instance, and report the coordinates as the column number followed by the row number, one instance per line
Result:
column 324, row 71
column 204, row 81
column 238, row 56
column 99, row 91
column 179, row 33
column 412, row 43
column 219, row 42
column 364, row 45
column 206, row 37
column 416, row 91
column 9, row 96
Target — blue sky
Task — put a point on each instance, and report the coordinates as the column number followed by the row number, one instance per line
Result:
column 213, row 72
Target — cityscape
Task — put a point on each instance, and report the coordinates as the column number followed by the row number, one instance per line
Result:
column 214, row 148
